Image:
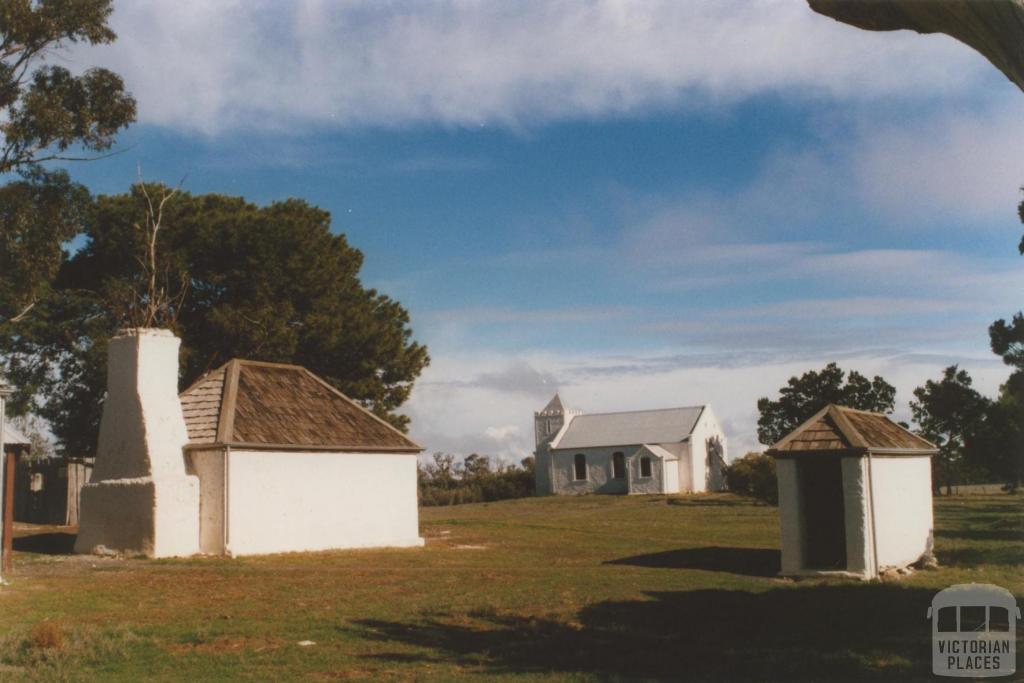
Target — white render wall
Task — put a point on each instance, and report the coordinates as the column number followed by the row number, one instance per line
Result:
column 599, row 470
column 903, row 522
column 707, row 427
column 903, row 509
column 298, row 501
column 140, row 499
column 790, row 504
column 208, row 465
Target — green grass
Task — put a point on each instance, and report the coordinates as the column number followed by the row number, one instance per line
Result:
column 590, row 588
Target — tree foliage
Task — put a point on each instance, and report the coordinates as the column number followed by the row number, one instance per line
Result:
column 37, row 213
column 803, row 396
column 754, row 476
column 267, row 283
column 951, row 413
column 47, row 109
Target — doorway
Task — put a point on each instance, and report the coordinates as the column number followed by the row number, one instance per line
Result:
column 822, row 515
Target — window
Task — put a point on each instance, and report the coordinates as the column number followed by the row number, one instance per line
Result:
column 645, row 467
column 580, row 467
column 618, row 466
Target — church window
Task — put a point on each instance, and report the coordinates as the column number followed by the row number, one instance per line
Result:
column 618, row 466
column 645, row 467
column 580, row 467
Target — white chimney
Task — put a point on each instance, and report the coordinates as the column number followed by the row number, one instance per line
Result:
column 140, row 499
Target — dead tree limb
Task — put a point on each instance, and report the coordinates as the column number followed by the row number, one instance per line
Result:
column 995, row 28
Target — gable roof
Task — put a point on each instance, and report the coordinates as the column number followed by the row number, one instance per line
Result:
column 13, row 437
column 656, row 451
column 271, row 405
column 838, row 428
column 669, row 425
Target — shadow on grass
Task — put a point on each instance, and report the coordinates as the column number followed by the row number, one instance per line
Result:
column 46, row 544
column 1004, row 554
column 723, row 501
column 748, row 561
column 982, row 534
column 823, row 632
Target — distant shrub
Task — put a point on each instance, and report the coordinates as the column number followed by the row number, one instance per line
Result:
column 474, row 480
column 753, row 475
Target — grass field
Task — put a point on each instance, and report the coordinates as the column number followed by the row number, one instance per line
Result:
column 589, row 588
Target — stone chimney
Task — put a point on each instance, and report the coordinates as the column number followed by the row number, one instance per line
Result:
column 140, row 499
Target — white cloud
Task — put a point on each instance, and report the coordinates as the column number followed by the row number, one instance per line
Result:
column 948, row 164
column 485, row 418
column 204, row 66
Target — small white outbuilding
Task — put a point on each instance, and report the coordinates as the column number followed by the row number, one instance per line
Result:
column 252, row 458
column 855, row 495
column 286, row 462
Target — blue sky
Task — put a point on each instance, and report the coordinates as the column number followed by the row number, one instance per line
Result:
column 642, row 204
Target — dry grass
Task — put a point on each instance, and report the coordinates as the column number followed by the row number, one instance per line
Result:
column 593, row 588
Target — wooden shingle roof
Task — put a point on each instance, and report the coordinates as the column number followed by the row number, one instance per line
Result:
column 838, row 428
column 251, row 404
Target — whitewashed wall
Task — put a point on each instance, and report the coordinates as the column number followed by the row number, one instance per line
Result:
column 208, row 465
column 707, row 427
column 790, row 526
column 903, row 508
column 903, row 521
column 859, row 557
column 297, row 501
column 140, row 499
column 599, row 470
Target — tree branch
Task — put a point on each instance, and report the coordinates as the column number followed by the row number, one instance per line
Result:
column 995, row 28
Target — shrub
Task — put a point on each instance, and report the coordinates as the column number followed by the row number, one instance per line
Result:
column 753, row 475
column 474, row 480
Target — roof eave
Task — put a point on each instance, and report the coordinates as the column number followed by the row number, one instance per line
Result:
column 336, row 448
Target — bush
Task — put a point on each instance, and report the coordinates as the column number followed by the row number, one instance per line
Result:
column 474, row 480
column 753, row 475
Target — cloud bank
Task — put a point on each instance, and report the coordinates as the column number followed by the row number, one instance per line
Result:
column 209, row 67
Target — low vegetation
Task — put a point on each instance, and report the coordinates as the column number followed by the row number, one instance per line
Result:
column 754, row 476
column 593, row 588
column 472, row 480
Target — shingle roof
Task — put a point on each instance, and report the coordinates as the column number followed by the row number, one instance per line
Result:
column 271, row 405
column 668, row 425
column 838, row 428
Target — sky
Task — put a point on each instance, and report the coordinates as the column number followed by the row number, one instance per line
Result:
column 638, row 204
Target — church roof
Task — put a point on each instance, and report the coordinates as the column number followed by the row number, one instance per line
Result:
column 669, row 425
column 274, row 406
column 838, row 428
column 656, row 451
column 554, row 407
column 13, row 437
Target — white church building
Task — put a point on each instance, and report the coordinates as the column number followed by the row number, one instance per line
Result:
column 672, row 450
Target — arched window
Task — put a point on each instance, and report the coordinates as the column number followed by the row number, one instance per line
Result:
column 580, row 467
column 645, row 467
column 618, row 466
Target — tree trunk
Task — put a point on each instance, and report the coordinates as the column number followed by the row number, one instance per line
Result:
column 995, row 28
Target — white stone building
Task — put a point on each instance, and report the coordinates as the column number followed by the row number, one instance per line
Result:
column 252, row 458
column 286, row 462
column 673, row 450
column 855, row 495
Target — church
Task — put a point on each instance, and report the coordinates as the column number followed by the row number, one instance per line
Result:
column 672, row 450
